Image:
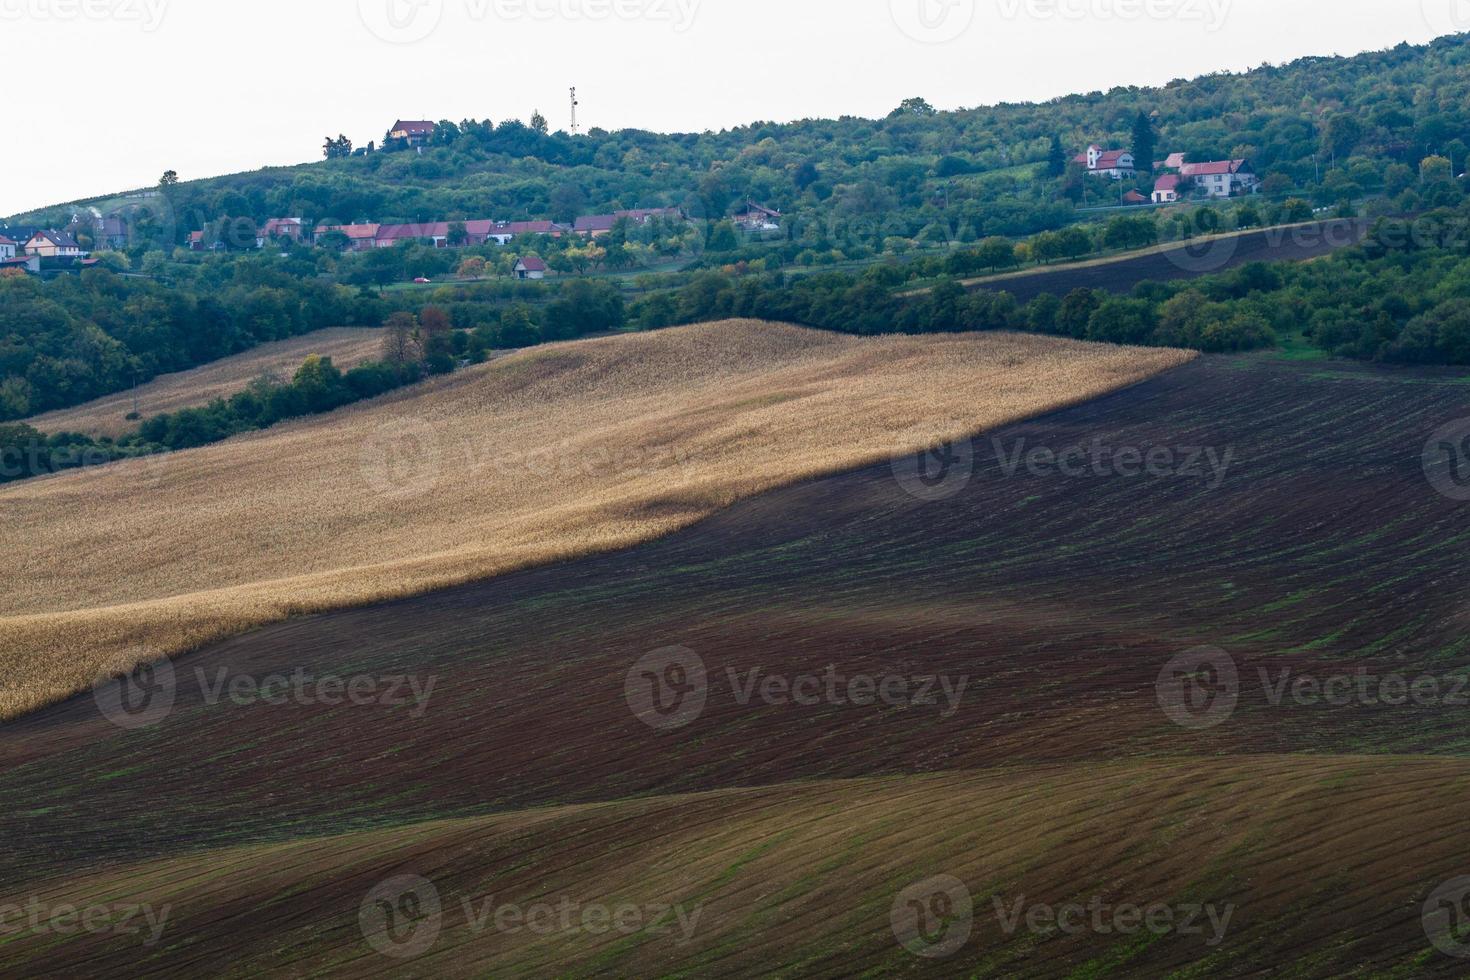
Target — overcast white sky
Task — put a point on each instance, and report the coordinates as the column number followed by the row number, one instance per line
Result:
column 117, row 91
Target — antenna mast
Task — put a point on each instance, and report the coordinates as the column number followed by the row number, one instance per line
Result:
column 574, row 110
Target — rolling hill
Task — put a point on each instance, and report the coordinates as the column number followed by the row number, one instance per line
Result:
column 552, row 453
column 1309, row 539
column 346, row 346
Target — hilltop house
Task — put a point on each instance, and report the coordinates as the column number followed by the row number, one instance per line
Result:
column 530, row 267
column 53, row 245
column 1222, row 178
column 1115, row 164
column 414, row 132
column 1166, row 189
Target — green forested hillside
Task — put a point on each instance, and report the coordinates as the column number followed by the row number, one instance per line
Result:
column 872, row 209
column 1334, row 128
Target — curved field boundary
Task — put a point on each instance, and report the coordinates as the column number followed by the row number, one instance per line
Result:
column 1205, row 256
column 107, row 416
column 546, row 455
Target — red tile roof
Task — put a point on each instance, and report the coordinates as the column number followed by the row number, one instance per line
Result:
column 413, row 127
column 353, row 232
column 1169, row 182
column 1213, row 167
column 532, row 264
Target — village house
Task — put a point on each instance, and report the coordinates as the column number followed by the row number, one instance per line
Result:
column 414, row 132
column 1166, row 189
column 1174, row 162
column 759, row 218
column 1221, row 178
column 53, row 245
column 360, row 238
column 1134, row 198
column 435, row 233
column 1115, row 164
column 506, row 231
column 22, row 263
column 7, row 248
column 530, row 267
column 20, row 234
column 291, row 228
column 595, row 225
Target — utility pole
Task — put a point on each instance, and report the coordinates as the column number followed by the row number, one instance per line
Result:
column 574, row 110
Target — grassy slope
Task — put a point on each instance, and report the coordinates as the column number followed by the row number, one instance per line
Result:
column 1307, row 854
column 107, row 416
column 553, row 453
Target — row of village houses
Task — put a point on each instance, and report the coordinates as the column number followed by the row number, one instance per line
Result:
column 1215, row 178
column 448, row 234
column 24, row 246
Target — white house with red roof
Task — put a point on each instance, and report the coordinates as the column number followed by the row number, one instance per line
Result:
column 1115, row 164
column 1222, row 178
column 530, row 267
column 1167, row 188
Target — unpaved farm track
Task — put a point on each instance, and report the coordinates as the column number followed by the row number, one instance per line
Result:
column 1206, row 257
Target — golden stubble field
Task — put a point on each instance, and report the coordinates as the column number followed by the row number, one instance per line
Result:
column 550, row 454
column 346, row 346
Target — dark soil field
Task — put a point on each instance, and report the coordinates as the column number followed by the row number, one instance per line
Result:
column 1280, row 514
column 1219, row 254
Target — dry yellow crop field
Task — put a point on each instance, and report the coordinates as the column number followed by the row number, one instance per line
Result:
column 552, row 453
column 346, row 346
